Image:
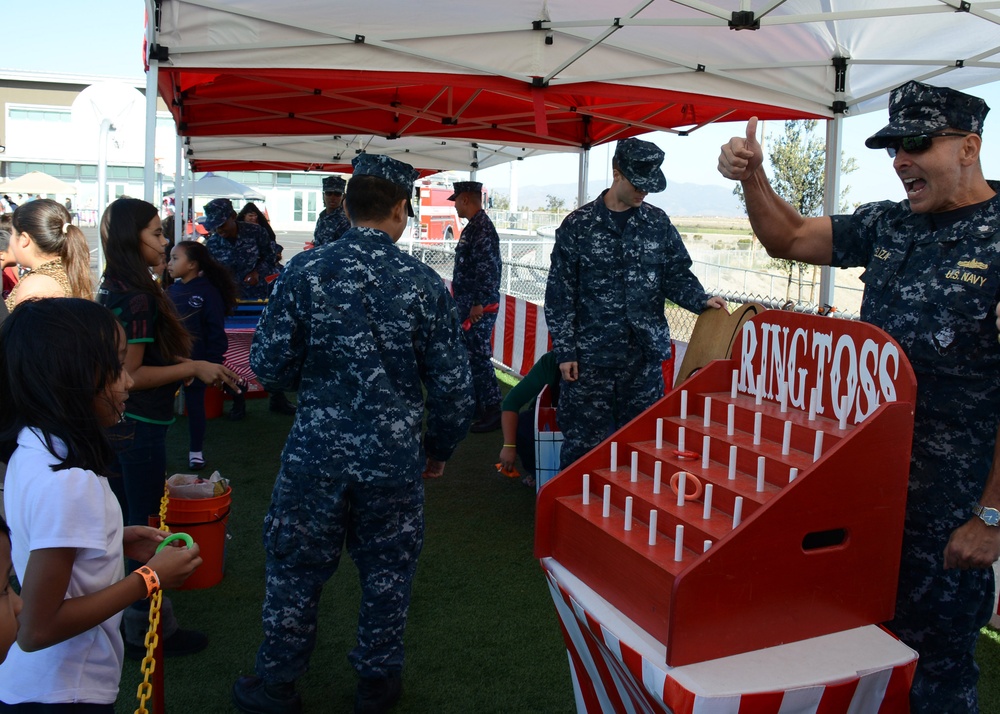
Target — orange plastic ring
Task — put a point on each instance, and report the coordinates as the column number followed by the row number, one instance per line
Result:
column 690, row 477
column 686, row 455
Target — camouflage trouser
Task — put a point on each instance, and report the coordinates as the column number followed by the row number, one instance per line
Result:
column 484, row 378
column 939, row 614
column 603, row 400
column 304, row 534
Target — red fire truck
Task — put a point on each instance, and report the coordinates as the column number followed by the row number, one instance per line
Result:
column 434, row 213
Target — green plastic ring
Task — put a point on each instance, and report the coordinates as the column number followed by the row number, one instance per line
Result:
column 188, row 540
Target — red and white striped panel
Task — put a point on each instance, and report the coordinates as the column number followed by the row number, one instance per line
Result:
column 610, row 676
column 237, row 356
column 520, row 335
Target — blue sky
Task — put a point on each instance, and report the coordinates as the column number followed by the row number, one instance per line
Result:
column 105, row 38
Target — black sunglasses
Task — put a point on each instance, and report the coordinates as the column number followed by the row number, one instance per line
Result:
column 915, row 144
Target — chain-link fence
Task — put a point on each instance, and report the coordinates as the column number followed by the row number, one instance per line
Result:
column 526, row 269
column 527, row 221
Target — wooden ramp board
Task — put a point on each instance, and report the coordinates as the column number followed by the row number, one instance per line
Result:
column 713, row 337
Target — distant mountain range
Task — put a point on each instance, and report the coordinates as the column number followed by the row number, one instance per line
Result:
column 679, row 199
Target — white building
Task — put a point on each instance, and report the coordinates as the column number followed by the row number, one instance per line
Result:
column 38, row 133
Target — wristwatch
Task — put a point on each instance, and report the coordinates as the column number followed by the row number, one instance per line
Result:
column 989, row 516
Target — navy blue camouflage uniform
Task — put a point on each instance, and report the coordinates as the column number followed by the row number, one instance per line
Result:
column 604, row 305
column 330, row 226
column 359, row 329
column 252, row 250
column 932, row 281
column 476, row 281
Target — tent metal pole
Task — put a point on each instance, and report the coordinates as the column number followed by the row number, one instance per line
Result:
column 178, row 196
column 581, row 189
column 149, row 172
column 186, row 177
column 831, row 196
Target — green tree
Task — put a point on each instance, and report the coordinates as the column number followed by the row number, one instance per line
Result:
column 798, row 162
column 553, row 204
column 500, row 201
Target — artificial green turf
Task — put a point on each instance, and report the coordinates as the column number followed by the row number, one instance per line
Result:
column 482, row 636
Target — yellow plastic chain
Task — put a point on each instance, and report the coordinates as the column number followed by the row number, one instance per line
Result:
column 148, row 665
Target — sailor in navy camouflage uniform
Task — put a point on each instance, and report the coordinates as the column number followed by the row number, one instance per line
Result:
column 361, row 330
column 932, row 276
column 615, row 262
column 332, row 222
column 475, row 283
column 245, row 249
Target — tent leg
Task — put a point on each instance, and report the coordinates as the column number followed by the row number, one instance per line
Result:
column 831, row 197
column 149, row 173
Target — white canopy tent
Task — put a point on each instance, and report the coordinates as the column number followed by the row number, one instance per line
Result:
column 213, row 186
column 333, row 153
column 571, row 73
column 37, row 182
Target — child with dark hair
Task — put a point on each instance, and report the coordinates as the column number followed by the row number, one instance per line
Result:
column 51, row 250
column 203, row 293
column 63, row 382
column 158, row 355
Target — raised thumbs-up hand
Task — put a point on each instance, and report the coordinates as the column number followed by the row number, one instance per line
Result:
column 742, row 155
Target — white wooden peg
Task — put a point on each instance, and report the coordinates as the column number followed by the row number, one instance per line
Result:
column 818, row 447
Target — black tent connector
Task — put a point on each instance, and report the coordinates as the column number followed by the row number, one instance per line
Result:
column 160, row 53
column 744, row 20
column 840, row 74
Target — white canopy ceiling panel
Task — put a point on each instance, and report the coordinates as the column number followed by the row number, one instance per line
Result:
column 334, row 153
column 692, row 47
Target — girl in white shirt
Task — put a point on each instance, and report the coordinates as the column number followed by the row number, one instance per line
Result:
column 62, row 383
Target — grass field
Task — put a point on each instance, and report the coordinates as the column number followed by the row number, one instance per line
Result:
column 482, row 636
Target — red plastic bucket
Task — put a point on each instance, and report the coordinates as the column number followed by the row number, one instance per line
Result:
column 213, row 402
column 205, row 520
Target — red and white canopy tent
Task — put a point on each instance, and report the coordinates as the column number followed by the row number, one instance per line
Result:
column 566, row 74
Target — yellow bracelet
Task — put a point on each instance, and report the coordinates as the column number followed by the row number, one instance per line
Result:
column 149, row 577
column 510, row 446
